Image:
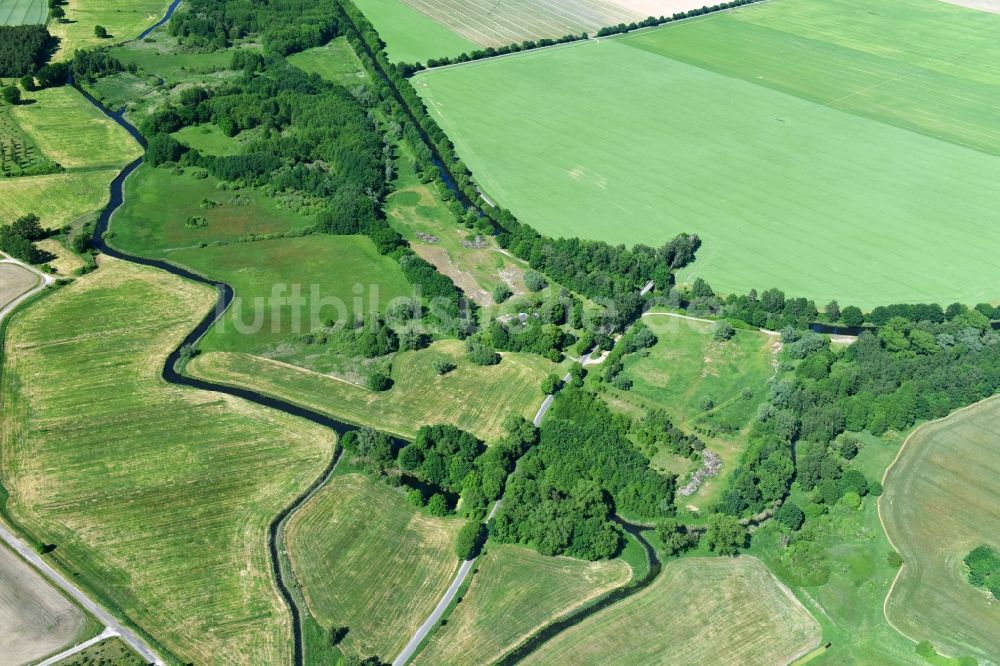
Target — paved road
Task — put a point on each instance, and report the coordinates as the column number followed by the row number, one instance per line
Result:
column 60, row 581
column 79, row 647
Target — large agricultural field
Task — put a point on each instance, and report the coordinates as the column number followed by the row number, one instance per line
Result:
column 167, row 517
column 515, row 592
column 941, row 500
column 368, row 560
column 471, row 397
column 35, row 619
column 699, row 611
column 15, row 281
column 123, row 21
column 814, row 146
column 23, row 12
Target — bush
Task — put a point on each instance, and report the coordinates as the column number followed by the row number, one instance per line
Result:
column 551, row 384
column 379, row 381
column 894, row 559
column 851, row 499
column 437, row 505
column 723, row 331
column 443, row 366
column 101, row 32
column 480, row 353
column 11, row 95
column 534, row 280
column 470, row 540
column 415, row 497
column 790, row 515
column 875, row 489
column 501, row 293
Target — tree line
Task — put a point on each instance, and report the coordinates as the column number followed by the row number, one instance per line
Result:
column 24, row 49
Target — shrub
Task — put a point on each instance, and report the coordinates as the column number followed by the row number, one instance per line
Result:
column 723, row 331
column 501, row 293
column 551, row 384
column 470, row 540
column 534, row 280
column 790, row 515
column 437, row 505
column 379, row 381
column 443, row 366
column 415, row 497
column 101, row 32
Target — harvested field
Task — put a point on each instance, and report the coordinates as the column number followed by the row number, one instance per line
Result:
column 941, row 500
column 157, row 498
column 35, row 619
column 15, row 280
column 368, row 560
column 699, row 611
column 514, row 592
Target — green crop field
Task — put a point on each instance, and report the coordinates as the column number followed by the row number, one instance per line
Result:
column 813, row 145
column 472, row 397
column 335, row 62
column 123, row 21
column 368, row 560
column 411, row 36
column 57, row 199
column 158, row 203
column 156, row 497
column 18, row 153
column 23, row 12
column 341, row 271
column 940, row 502
column 699, row 611
column 685, row 367
column 36, row 620
column 514, row 592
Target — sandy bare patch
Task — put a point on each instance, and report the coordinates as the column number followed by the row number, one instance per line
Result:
column 438, row 257
column 35, row 619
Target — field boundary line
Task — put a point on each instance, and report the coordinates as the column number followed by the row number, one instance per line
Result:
column 881, row 518
column 79, row 647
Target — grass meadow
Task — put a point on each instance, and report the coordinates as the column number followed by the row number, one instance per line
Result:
column 111, row 651
column 18, row 153
column 36, row 620
column 699, row 611
column 368, row 560
column 471, row 397
column 514, row 592
column 157, row 498
column 335, row 61
column 23, row 12
column 123, row 21
column 815, row 146
column 686, row 366
column 941, row 500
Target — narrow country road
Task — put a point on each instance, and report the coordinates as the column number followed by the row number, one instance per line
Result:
column 130, row 637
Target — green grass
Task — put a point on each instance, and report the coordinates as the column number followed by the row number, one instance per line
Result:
column 151, row 222
column 208, row 139
column 335, row 62
column 940, row 502
column 814, row 146
column 23, row 12
column 411, row 36
column 157, row 498
column 344, row 270
column 123, row 21
column 111, row 652
column 18, row 153
column 472, row 397
column 514, row 592
column 687, row 365
column 699, row 611
column 845, row 583
column 368, row 560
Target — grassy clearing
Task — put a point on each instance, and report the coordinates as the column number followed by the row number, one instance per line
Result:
column 761, row 149
column 472, row 397
column 158, row 203
column 368, row 560
column 15, row 280
column 344, row 270
column 160, row 499
column 123, row 21
column 65, row 262
column 23, row 12
column 410, row 36
column 940, row 502
column 699, row 611
column 686, row 366
column 844, row 580
column 112, row 652
column 35, row 619
column 514, row 592
column 336, row 61
column 58, row 199
column 70, row 131
column 208, row 139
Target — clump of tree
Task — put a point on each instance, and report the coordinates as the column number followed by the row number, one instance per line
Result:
column 18, row 239
column 24, row 49
column 675, row 536
column 984, row 568
column 470, row 540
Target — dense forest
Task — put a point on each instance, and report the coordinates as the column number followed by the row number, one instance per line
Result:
column 23, row 49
